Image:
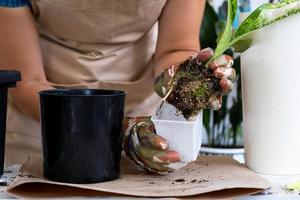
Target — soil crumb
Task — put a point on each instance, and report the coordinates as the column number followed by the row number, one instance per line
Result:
column 194, row 181
column 203, row 181
column 180, row 180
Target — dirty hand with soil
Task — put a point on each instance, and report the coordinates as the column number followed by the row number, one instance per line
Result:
column 190, row 87
column 199, row 83
column 146, row 149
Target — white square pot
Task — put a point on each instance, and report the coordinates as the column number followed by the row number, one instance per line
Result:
column 182, row 135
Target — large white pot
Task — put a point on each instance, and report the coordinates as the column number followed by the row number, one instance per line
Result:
column 271, row 99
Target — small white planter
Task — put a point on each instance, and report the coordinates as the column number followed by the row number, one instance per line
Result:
column 182, row 135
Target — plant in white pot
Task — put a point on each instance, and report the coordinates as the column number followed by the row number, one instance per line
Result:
column 271, row 96
column 190, row 104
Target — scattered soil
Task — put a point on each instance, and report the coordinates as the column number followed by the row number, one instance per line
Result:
column 192, row 88
column 203, row 163
column 194, row 181
column 180, row 180
column 203, row 181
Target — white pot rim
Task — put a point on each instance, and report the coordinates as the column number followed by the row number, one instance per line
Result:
column 222, row 150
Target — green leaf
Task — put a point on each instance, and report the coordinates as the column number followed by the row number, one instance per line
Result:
column 294, row 186
column 220, row 27
column 227, row 34
column 264, row 15
column 242, row 45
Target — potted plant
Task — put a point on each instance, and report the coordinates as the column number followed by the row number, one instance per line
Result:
column 271, row 94
column 194, row 83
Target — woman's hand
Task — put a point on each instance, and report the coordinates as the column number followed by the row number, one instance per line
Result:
column 222, row 69
column 190, row 86
column 146, row 149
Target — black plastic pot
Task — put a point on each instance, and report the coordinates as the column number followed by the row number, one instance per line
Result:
column 82, row 134
column 7, row 79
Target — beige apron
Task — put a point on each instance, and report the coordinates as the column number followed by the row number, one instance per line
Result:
column 107, row 44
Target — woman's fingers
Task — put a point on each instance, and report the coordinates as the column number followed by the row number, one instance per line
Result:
column 168, row 156
column 147, row 136
column 222, row 61
column 215, row 104
column 225, row 72
column 158, row 156
column 153, row 140
column 205, row 54
column 161, row 156
column 153, row 146
column 226, row 86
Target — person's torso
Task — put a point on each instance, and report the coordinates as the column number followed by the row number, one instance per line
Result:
column 101, row 44
column 92, row 44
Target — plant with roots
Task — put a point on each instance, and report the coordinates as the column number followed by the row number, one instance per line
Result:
column 194, row 84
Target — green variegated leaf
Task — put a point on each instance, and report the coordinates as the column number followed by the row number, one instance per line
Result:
column 227, row 34
column 233, row 9
column 242, row 45
column 294, row 186
column 264, row 15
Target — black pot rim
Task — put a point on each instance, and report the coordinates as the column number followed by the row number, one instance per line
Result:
column 82, row 92
column 8, row 77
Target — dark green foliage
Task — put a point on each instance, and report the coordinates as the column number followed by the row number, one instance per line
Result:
column 221, row 134
column 209, row 26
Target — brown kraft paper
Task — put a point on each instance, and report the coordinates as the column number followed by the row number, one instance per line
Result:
column 209, row 177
